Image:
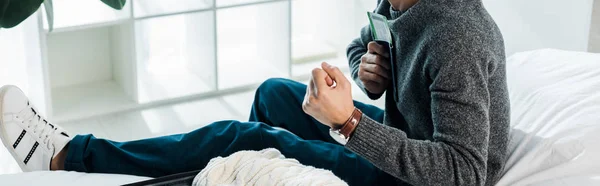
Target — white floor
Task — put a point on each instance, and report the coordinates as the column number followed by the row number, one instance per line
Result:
column 165, row 120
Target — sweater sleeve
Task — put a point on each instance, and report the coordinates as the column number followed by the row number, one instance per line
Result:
column 355, row 51
column 457, row 153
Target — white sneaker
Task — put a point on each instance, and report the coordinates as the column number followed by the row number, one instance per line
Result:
column 29, row 138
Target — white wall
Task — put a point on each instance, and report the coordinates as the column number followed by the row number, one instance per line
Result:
column 20, row 62
column 533, row 24
column 20, row 65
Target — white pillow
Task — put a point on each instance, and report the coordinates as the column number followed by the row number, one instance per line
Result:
column 555, row 116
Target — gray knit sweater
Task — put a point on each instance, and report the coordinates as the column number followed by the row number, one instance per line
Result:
column 447, row 115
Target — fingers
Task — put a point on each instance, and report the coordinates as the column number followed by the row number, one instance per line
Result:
column 376, row 59
column 370, row 76
column 329, row 81
column 310, row 88
column 336, row 74
column 319, row 80
column 373, row 86
column 307, row 96
column 375, row 48
column 376, row 69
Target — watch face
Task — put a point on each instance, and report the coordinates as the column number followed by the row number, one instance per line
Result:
column 340, row 138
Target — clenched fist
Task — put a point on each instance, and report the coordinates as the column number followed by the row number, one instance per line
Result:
column 328, row 96
column 374, row 71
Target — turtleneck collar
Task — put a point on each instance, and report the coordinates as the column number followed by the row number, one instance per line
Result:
column 394, row 14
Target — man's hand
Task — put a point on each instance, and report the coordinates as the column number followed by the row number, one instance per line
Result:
column 328, row 96
column 374, row 71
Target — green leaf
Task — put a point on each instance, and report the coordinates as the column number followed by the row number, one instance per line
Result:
column 13, row 12
column 116, row 4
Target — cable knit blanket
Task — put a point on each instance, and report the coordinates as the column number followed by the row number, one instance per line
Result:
column 264, row 168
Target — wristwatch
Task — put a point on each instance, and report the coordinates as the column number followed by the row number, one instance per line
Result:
column 343, row 133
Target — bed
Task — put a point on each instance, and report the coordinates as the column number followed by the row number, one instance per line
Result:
column 555, row 119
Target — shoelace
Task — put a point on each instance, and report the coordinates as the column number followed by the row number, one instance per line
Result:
column 41, row 127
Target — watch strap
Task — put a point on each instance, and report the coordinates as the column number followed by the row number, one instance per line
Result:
column 350, row 125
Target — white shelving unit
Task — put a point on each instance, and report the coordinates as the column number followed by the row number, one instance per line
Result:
column 99, row 61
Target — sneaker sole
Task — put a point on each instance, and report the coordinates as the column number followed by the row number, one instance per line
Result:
column 3, row 133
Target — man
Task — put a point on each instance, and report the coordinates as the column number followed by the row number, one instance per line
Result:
column 445, row 122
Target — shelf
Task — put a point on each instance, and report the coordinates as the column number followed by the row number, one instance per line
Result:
column 154, row 87
column 90, row 71
column 73, row 14
column 144, row 8
column 176, row 56
column 225, row 3
column 239, row 74
column 309, row 54
column 254, row 47
column 308, row 50
column 79, row 57
column 89, row 99
column 303, row 70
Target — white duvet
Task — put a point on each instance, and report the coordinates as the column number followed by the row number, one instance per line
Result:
column 555, row 116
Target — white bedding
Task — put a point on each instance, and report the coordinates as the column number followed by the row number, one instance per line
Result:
column 555, row 106
column 555, row 116
column 64, row 178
